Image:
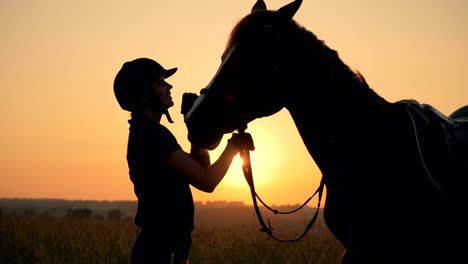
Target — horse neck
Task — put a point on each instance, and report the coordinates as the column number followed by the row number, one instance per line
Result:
column 346, row 107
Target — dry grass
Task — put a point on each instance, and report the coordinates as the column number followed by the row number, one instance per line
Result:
column 39, row 239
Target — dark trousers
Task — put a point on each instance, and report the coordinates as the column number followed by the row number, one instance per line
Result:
column 161, row 247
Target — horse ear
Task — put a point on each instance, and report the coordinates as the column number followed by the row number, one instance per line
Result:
column 259, row 5
column 290, row 9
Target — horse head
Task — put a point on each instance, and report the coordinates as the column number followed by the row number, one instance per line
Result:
column 257, row 65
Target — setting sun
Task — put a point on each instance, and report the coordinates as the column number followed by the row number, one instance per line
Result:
column 261, row 171
column 64, row 135
column 338, row 95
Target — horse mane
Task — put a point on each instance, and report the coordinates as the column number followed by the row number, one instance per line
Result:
column 337, row 69
column 235, row 32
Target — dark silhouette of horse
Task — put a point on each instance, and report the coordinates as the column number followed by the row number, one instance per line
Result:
column 395, row 173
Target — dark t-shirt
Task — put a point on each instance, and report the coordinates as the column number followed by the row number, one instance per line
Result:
column 164, row 199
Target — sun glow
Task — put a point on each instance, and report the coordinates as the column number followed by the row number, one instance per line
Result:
column 262, row 165
column 79, row 137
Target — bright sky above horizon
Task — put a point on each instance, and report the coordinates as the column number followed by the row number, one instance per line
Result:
column 63, row 134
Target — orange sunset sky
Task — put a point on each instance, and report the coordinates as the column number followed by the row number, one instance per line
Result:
column 63, row 135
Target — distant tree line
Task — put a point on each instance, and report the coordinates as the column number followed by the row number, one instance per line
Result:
column 79, row 213
column 87, row 213
column 115, row 214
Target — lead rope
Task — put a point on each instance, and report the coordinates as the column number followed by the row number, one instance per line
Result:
column 247, row 169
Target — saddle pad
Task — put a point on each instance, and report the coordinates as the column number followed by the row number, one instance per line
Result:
column 443, row 144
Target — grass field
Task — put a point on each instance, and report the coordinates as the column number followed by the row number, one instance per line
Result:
column 221, row 236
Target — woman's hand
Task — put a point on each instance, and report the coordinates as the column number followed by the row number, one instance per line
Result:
column 187, row 101
column 242, row 141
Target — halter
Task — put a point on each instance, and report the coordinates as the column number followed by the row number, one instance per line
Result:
column 247, row 169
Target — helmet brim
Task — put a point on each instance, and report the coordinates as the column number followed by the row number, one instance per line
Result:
column 169, row 73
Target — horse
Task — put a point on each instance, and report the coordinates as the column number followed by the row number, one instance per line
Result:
column 394, row 172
